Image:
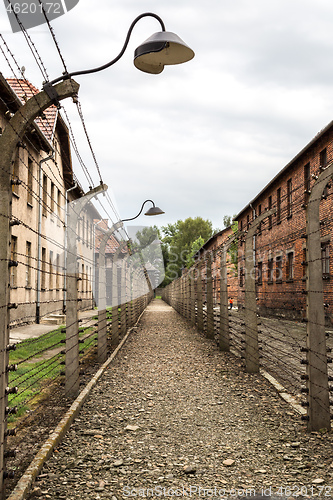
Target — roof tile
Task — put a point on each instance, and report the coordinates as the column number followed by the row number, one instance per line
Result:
column 24, row 91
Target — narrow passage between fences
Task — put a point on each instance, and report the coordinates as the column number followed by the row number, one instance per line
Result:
column 174, row 417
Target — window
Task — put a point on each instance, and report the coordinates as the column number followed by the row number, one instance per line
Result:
column 290, row 266
column 323, row 164
column 323, row 158
column 270, row 219
column 325, row 259
column 28, row 265
column 59, row 206
column 306, row 182
column 30, row 180
column 289, row 197
column 16, row 173
column 304, row 262
column 51, row 271
column 43, row 283
column 52, row 197
column 82, row 278
column 241, row 277
column 270, row 271
column 247, row 221
column 259, row 280
column 278, row 270
column 91, row 235
column 259, row 213
column 57, row 271
column 13, row 257
column 278, row 206
column 83, row 227
column 44, row 201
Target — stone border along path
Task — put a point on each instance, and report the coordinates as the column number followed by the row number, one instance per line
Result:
column 174, row 417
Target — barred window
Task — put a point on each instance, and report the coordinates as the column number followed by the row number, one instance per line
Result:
column 270, row 266
column 306, row 182
column 28, row 265
column 290, row 266
column 13, row 256
column 270, row 219
column 278, row 270
column 278, row 206
column 323, row 158
column 289, row 198
column 241, row 277
column 259, row 281
column 30, row 181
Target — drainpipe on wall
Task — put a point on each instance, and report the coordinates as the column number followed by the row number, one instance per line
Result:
column 65, row 253
column 39, row 242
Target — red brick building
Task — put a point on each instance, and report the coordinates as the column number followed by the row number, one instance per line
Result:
column 279, row 245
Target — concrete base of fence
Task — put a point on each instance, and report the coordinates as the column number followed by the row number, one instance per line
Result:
column 23, row 486
column 282, row 391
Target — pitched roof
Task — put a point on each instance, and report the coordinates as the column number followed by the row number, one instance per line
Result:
column 45, row 125
column 24, row 91
column 287, row 167
column 112, row 244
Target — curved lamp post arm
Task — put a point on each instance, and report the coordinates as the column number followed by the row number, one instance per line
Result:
column 66, row 75
column 152, row 211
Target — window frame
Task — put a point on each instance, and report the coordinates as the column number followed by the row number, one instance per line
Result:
column 289, row 197
column 270, row 270
column 28, row 269
column 290, row 266
column 278, row 268
column 278, row 205
column 307, row 184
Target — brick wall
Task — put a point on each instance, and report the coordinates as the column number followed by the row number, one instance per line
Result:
column 213, row 246
column 280, row 243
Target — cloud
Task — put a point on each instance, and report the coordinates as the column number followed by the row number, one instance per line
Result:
column 201, row 139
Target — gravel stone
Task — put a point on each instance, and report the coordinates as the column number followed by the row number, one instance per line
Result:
column 192, row 407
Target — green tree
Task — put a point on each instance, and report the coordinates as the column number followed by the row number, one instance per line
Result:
column 179, row 238
column 227, row 220
column 196, row 245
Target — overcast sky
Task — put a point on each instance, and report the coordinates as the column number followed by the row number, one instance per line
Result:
column 202, row 138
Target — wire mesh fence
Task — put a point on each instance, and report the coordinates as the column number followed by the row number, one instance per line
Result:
column 55, row 268
column 230, row 303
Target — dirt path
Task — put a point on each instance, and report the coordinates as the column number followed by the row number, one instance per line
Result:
column 174, row 417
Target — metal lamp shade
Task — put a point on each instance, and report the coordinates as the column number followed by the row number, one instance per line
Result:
column 154, row 211
column 160, row 49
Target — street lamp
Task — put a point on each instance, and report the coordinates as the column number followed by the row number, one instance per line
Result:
column 102, row 322
column 152, row 211
column 161, row 49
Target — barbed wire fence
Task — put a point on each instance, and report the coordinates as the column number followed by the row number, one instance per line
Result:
column 295, row 353
column 50, row 264
column 57, row 356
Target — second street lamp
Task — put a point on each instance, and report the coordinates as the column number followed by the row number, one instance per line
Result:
column 106, row 234
column 152, row 211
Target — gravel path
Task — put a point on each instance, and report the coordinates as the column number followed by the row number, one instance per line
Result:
column 173, row 417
